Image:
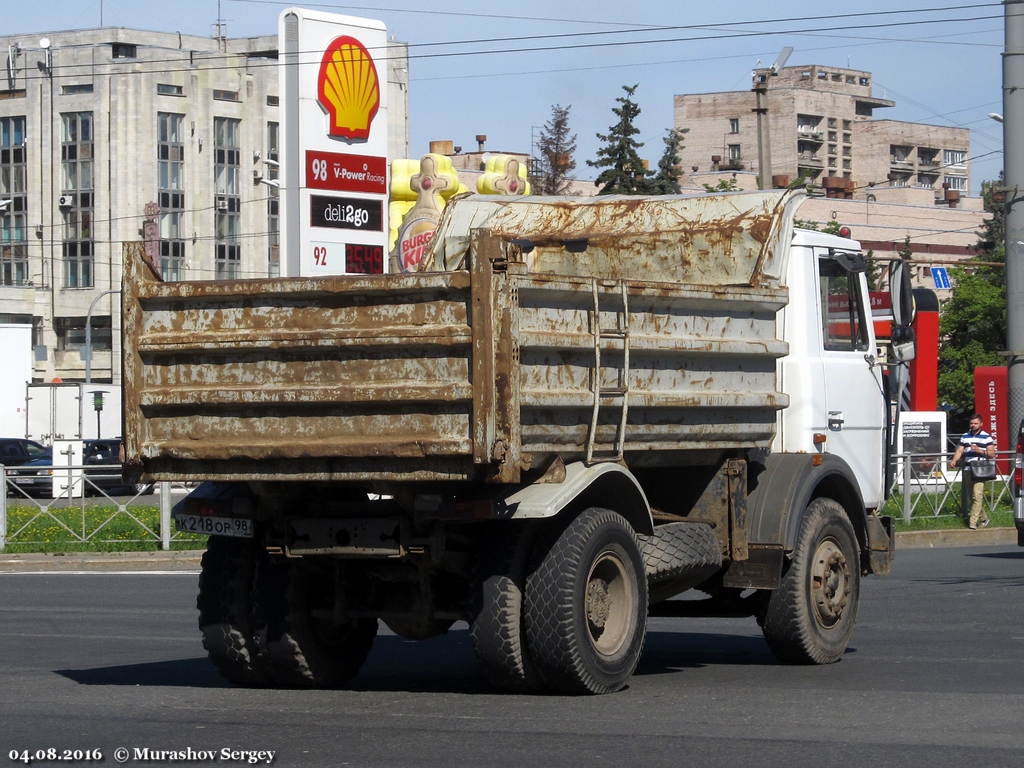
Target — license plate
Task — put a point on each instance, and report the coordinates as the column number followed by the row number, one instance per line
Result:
column 238, row 527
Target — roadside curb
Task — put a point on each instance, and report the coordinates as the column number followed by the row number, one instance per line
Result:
column 189, row 560
column 956, row 537
column 185, row 561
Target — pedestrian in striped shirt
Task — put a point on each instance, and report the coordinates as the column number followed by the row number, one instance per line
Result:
column 975, row 444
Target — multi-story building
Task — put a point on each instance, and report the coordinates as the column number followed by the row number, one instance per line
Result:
column 821, row 126
column 115, row 135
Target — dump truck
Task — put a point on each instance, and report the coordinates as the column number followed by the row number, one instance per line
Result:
column 578, row 410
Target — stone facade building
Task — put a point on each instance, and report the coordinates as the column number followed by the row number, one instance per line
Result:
column 822, row 127
column 113, row 135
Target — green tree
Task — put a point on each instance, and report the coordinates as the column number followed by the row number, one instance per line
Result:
column 666, row 182
column 972, row 322
column 624, row 172
column 555, row 161
column 723, row 185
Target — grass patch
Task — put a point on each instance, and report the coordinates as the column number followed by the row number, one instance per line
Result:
column 938, row 511
column 95, row 526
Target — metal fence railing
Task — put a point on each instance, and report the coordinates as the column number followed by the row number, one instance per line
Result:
column 78, row 504
column 924, row 484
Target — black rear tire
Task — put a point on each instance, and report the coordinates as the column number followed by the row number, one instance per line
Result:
column 810, row 618
column 497, row 629
column 586, row 604
column 224, row 603
column 304, row 647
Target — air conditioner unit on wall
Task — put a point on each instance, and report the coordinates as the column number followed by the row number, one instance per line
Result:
column 65, row 201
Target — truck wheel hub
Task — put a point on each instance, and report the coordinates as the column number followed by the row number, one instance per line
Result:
column 830, row 583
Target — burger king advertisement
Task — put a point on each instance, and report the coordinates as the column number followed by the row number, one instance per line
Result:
column 334, row 133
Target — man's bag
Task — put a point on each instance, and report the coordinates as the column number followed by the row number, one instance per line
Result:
column 983, row 469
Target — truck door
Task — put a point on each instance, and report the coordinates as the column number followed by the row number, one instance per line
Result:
column 854, row 398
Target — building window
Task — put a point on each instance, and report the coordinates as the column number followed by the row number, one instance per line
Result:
column 863, row 109
column 832, row 136
column 226, row 159
column 831, row 122
column 926, row 180
column 956, row 182
column 847, row 138
column 220, row 95
column 166, row 89
column 273, row 101
column 14, row 215
column 77, row 200
column 734, row 125
column 171, row 171
column 734, row 152
column 273, row 202
column 832, row 149
column 953, row 157
column 847, row 125
column 865, row 81
column 71, row 333
column 847, row 152
column 900, row 179
column 69, row 90
column 851, row 79
column 847, row 165
column 123, row 51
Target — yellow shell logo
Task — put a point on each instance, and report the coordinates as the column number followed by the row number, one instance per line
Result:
column 348, row 88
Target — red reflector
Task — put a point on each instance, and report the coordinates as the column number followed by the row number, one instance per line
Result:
column 473, row 509
column 207, row 507
column 845, row 232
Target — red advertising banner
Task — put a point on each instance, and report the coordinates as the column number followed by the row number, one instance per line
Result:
column 991, row 395
column 346, row 173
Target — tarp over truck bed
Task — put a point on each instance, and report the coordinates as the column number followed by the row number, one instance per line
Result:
column 559, row 315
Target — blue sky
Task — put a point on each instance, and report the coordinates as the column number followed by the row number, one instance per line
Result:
column 483, row 67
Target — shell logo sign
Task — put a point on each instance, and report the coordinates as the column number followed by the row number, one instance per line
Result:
column 348, row 89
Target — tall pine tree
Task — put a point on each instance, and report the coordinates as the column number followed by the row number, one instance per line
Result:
column 624, row 172
column 666, row 182
column 555, row 161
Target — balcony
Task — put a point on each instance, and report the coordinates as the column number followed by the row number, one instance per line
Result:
column 731, row 164
column 809, row 160
column 810, row 134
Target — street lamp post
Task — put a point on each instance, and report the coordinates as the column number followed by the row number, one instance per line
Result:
column 88, row 334
column 1013, row 167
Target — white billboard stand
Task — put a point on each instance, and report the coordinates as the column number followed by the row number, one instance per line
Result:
column 334, row 138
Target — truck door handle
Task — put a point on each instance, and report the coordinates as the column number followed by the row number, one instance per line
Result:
column 835, row 421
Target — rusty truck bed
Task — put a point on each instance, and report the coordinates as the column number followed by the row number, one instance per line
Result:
column 479, row 373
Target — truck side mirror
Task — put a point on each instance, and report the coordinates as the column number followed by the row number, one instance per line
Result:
column 901, row 294
column 903, row 345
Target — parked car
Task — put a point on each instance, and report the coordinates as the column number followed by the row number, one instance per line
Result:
column 15, row 451
column 102, row 466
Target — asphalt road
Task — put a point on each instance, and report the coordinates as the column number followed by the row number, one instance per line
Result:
column 933, row 678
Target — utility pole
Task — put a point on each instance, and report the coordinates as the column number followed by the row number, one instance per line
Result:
column 764, row 144
column 1013, row 171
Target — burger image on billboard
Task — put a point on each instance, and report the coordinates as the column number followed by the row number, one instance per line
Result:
column 349, row 90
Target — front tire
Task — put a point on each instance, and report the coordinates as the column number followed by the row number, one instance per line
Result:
column 586, row 605
column 810, row 618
